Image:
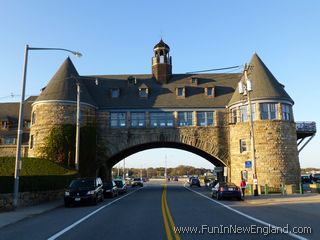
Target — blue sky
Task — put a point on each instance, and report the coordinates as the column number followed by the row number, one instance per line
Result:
column 117, row 37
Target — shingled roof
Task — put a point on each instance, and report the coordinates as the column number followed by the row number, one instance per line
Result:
column 62, row 86
column 161, row 44
column 264, row 84
column 163, row 96
column 11, row 110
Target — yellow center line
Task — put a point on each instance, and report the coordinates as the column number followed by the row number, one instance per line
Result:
column 166, row 225
column 166, row 214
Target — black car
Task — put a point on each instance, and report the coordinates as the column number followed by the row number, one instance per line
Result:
column 137, row 182
column 84, row 190
column 305, row 179
column 194, row 181
column 226, row 190
column 121, row 184
column 110, row 189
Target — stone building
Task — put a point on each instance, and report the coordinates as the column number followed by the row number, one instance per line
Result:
column 201, row 113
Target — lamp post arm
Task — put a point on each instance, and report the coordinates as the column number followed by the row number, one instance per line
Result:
column 78, row 54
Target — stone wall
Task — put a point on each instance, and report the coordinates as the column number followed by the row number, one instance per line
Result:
column 211, row 140
column 10, row 150
column 29, row 198
column 50, row 114
column 276, row 152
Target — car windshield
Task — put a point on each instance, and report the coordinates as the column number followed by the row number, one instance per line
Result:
column 136, row 179
column 119, row 183
column 82, row 183
column 316, row 175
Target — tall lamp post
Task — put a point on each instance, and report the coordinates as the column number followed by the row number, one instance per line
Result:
column 245, row 88
column 20, row 121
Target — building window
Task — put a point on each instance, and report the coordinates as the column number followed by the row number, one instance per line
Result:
column 9, row 140
column 143, row 92
column 243, row 114
column 132, row 80
column 204, row 119
column 118, row 119
column 31, row 141
column 4, row 124
column 286, row 112
column 184, row 119
column 268, row 111
column 180, row 92
column 27, row 124
column 161, row 119
column 194, row 81
column 234, row 118
column 138, row 119
column 209, row 91
column 243, row 145
column 33, row 118
column 115, row 92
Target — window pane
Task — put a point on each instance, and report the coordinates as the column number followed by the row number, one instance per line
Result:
column 184, row 118
column 118, row 119
column 138, row 119
column 161, row 119
column 244, row 113
column 204, row 118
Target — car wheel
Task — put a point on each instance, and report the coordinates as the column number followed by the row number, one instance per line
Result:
column 102, row 198
column 218, row 197
column 95, row 201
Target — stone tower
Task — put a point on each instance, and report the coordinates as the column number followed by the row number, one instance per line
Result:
column 276, row 151
column 161, row 63
column 56, row 105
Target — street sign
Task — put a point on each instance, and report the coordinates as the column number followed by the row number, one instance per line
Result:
column 248, row 164
column 225, row 171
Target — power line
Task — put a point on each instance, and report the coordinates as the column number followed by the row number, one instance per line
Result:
column 214, row 69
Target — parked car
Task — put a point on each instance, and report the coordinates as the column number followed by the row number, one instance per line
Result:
column 175, row 179
column 84, row 190
column 226, row 190
column 137, row 182
column 110, row 189
column 305, row 179
column 315, row 177
column 121, row 185
column 211, row 184
column 195, row 181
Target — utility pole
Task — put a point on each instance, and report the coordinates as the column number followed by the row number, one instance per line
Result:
column 124, row 169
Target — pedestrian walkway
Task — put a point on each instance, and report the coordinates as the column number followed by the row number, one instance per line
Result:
column 274, row 199
column 10, row 217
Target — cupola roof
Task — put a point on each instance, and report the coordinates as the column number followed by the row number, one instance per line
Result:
column 161, row 44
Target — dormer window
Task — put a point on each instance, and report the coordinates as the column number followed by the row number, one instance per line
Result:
column 209, row 91
column 194, row 81
column 4, row 124
column 181, row 92
column 132, row 80
column 143, row 92
column 115, row 92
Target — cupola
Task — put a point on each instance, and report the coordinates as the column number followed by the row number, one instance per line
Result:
column 161, row 62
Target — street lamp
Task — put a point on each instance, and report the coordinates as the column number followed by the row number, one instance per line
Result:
column 245, row 87
column 20, row 122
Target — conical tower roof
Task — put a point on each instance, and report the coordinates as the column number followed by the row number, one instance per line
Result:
column 264, row 84
column 62, row 86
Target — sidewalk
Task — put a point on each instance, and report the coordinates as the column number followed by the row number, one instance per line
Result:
column 274, row 199
column 10, row 217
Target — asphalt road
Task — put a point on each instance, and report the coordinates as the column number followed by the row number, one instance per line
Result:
column 156, row 211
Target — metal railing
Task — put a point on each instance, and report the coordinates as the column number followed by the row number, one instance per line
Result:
column 306, row 127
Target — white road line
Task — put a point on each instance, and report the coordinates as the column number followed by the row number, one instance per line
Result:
column 246, row 215
column 58, row 234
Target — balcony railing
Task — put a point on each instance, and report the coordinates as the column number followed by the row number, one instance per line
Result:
column 305, row 129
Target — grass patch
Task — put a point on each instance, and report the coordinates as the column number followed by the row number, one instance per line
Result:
column 32, row 167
